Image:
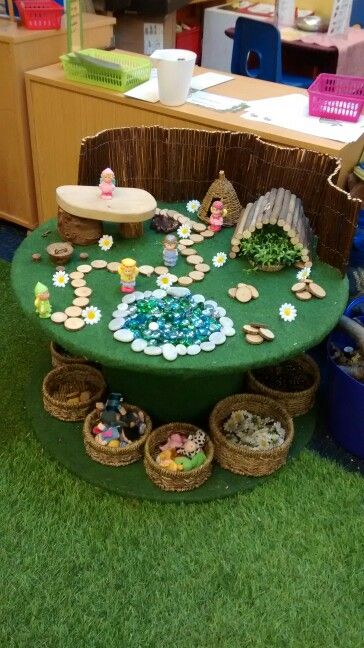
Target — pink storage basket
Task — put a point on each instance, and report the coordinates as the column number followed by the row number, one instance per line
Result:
column 336, row 97
column 41, row 14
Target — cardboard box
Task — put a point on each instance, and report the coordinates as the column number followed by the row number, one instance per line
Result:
column 144, row 34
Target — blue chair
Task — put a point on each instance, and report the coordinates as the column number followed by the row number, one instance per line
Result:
column 262, row 41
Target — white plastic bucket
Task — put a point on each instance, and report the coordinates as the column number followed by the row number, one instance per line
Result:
column 174, row 70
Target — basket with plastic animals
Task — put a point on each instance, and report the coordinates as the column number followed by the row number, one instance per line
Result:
column 335, row 96
column 178, row 457
column 115, row 435
column 292, row 383
column 252, row 434
column 71, row 391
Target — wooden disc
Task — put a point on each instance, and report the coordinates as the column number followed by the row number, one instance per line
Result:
column 254, row 339
column 78, row 283
column 146, row 270
column 159, row 270
column 76, row 275
column 242, row 285
column 58, row 317
column 267, row 334
column 298, row 287
column 84, row 267
column 194, row 258
column 243, row 294
column 196, row 275
column 248, row 328
column 202, row 267
column 304, row 295
column 253, row 290
column 232, row 292
column 198, row 227
column 316, row 290
column 258, row 325
column 303, row 264
column 73, row 311
column 99, row 264
column 74, row 323
column 207, row 233
column 188, row 251
column 196, row 237
column 185, row 281
column 81, row 301
column 187, row 242
column 182, row 219
column 83, row 292
column 113, row 266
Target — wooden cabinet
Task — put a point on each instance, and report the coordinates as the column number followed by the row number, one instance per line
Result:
column 21, row 50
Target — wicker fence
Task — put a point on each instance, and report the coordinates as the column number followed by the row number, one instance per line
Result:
column 179, row 164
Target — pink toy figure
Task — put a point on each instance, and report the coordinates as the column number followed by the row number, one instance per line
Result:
column 217, row 213
column 107, row 184
column 174, row 442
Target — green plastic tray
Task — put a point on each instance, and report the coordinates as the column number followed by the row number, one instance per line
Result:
column 133, row 69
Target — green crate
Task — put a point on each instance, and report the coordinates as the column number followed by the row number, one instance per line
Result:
column 133, row 69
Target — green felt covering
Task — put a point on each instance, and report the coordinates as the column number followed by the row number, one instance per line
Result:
column 188, row 387
column 63, row 441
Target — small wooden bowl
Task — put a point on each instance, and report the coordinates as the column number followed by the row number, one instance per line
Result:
column 60, row 253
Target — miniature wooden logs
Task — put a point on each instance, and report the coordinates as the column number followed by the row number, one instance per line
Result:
column 278, row 207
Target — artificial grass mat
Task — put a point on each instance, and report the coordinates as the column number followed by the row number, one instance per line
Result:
column 279, row 567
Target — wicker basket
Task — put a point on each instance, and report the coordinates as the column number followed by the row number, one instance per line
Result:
column 295, row 403
column 221, row 189
column 114, row 456
column 171, row 481
column 76, row 377
column 60, row 357
column 243, row 460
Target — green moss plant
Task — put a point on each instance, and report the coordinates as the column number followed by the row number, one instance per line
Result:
column 270, row 246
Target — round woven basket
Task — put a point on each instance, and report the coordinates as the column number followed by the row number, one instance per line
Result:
column 114, row 456
column 62, row 381
column 166, row 479
column 61, row 357
column 296, row 403
column 244, row 460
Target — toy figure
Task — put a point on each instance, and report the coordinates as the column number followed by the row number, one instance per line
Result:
column 107, row 184
column 118, row 423
column 41, row 302
column 128, row 272
column 217, row 213
column 170, row 251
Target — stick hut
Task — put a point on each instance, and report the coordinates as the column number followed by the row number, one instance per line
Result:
column 221, row 189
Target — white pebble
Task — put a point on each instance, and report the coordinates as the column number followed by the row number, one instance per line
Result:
column 122, row 307
column 227, row 322
column 138, row 295
column 228, row 331
column 138, row 345
column 211, row 303
column 181, row 349
column 116, row 324
column 198, row 299
column 217, row 338
column 220, row 311
column 194, row 349
column 117, row 313
column 148, row 293
column 169, row 351
column 153, row 326
column 152, row 350
column 128, row 299
column 207, row 346
column 124, row 335
column 178, row 291
column 159, row 293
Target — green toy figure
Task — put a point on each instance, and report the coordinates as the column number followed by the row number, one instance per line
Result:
column 41, row 302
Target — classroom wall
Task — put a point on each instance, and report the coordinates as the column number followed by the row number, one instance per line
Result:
column 322, row 7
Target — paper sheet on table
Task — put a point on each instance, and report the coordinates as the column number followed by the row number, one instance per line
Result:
column 291, row 111
column 216, row 102
column 147, row 91
column 208, row 79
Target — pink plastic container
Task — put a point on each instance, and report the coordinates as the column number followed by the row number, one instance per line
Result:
column 40, row 14
column 336, row 97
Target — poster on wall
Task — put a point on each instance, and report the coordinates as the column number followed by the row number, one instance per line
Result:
column 340, row 17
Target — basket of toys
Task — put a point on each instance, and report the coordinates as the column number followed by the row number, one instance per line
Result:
column 293, row 383
column 60, row 356
column 335, row 96
column 252, row 434
column 40, row 14
column 71, row 391
column 178, row 457
column 115, row 435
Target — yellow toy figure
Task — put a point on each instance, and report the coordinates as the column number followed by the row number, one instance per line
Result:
column 41, row 302
column 128, row 272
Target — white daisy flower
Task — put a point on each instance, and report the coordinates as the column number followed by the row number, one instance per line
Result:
column 219, row 259
column 303, row 274
column 288, row 312
column 91, row 315
column 60, row 279
column 184, row 231
column 164, row 280
column 106, row 242
column 193, row 206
